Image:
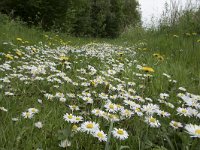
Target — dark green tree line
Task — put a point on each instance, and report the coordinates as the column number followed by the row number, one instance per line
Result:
column 97, row 18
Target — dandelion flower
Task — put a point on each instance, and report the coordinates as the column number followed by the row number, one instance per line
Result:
column 147, row 69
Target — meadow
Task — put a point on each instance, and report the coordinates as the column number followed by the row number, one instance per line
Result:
column 139, row 91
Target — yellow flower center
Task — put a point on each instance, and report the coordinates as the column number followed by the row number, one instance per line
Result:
column 175, row 124
column 121, row 132
column 197, row 131
column 70, row 116
column 74, row 127
column 78, row 118
column 184, row 111
column 100, row 135
column 28, row 114
column 137, row 109
column 111, row 106
column 74, row 106
column 90, row 126
column 153, row 120
column 33, row 110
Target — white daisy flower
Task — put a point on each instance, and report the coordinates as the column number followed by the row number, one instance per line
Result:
column 39, row 125
column 176, row 125
column 100, row 135
column 33, row 110
column 74, row 107
column 40, row 101
column 15, row 119
column 65, row 143
column 62, row 99
column 182, row 89
column 28, row 115
column 193, row 130
column 164, row 95
column 3, row 109
column 125, row 113
column 89, row 127
column 183, row 111
column 69, row 118
column 97, row 112
column 163, row 113
column 110, row 107
column 78, row 119
column 150, row 109
column 88, row 100
column 120, row 134
column 153, row 122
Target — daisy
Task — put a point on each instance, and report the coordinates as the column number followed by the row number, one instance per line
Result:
column 3, row 109
column 27, row 115
column 150, row 109
column 97, row 112
column 120, row 134
column 65, row 143
column 100, row 135
column 62, row 99
column 15, row 119
column 110, row 107
column 89, row 127
column 164, row 95
column 69, row 118
column 39, row 125
column 153, row 122
column 112, row 117
column 125, row 113
column 176, row 125
column 183, row 111
column 182, row 89
column 33, row 110
column 163, row 113
column 88, row 100
column 78, row 119
column 193, row 130
column 75, row 128
column 74, row 107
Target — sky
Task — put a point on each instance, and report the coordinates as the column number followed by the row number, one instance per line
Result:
column 155, row 8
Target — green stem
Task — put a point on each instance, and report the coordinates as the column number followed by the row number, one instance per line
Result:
column 109, row 136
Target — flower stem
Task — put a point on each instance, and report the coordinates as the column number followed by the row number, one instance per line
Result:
column 109, row 136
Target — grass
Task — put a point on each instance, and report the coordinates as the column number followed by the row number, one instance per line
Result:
column 177, row 55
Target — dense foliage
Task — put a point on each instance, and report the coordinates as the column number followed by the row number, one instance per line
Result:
column 105, row 18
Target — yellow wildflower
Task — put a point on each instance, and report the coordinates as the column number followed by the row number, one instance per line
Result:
column 8, row 56
column 64, row 58
column 147, row 69
column 18, row 53
column 34, row 49
column 19, row 39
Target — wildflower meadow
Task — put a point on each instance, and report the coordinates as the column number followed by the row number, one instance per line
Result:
column 137, row 91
